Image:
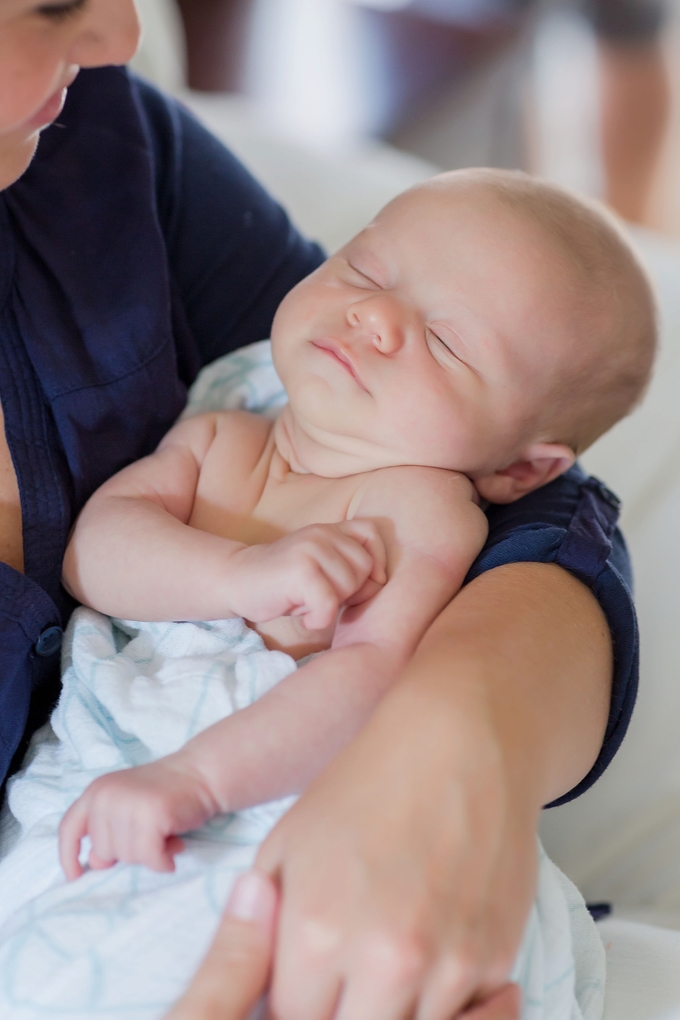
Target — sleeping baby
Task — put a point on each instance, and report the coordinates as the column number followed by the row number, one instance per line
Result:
column 464, row 348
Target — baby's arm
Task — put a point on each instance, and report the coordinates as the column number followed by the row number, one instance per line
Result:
column 133, row 554
column 432, row 530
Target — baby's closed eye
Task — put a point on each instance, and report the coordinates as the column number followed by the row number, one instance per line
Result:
column 362, row 279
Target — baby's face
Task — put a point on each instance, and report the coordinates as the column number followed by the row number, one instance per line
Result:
column 431, row 337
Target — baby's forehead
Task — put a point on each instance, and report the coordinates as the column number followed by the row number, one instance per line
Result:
column 457, row 198
column 439, row 195
column 451, row 213
column 425, row 203
column 449, row 230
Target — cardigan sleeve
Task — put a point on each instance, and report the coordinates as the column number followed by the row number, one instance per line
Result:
column 232, row 250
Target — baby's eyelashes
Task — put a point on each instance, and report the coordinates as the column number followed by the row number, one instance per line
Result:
column 363, row 279
column 442, row 342
column 441, row 345
column 446, row 349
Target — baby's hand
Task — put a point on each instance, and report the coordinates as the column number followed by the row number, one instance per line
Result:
column 310, row 573
column 135, row 816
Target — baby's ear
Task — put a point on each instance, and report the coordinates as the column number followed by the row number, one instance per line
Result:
column 537, row 466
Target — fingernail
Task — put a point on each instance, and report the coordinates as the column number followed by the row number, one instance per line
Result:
column 253, row 898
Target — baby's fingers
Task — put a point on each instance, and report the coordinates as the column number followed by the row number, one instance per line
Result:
column 321, row 604
column 175, row 845
column 97, row 863
column 154, row 849
column 133, row 839
column 366, row 533
column 74, row 826
column 368, row 589
column 166, row 853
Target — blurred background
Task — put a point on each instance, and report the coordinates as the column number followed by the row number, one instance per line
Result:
column 586, row 92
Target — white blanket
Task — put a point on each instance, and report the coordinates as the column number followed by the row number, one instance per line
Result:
column 124, row 942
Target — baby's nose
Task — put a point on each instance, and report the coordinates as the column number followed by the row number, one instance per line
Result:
column 381, row 321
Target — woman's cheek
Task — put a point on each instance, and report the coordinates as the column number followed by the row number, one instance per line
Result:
column 29, row 75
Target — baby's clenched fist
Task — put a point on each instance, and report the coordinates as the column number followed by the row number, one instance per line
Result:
column 310, row 573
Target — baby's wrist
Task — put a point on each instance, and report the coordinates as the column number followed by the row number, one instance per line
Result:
column 190, row 767
column 234, row 571
column 245, row 580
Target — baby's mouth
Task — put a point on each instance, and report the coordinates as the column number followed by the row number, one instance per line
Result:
column 335, row 351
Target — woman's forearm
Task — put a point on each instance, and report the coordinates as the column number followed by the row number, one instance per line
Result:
column 514, row 675
column 524, row 655
column 419, row 841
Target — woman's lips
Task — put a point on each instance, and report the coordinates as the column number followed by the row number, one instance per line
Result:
column 51, row 109
column 339, row 355
column 49, row 112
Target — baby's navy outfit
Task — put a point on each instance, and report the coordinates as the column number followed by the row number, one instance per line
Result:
column 133, row 251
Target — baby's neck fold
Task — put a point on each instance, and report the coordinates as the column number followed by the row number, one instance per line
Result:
column 309, row 454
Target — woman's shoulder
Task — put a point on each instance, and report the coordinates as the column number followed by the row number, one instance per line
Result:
column 573, row 523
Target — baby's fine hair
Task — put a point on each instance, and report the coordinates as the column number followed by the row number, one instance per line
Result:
column 609, row 373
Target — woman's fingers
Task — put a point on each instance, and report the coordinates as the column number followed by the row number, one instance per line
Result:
column 234, row 974
column 504, row 1005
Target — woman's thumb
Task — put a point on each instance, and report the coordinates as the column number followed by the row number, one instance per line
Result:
column 234, row 974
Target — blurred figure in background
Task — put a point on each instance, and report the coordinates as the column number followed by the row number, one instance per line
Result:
column 635, row 98
column 420, row 46
column 216, row 33
column 415, row 53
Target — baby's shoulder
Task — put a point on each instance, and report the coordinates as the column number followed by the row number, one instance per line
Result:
column 436, row 504
column 238, row 441
column 239, row 432
column 413, row 483
column 244, row 424
column 201, row 431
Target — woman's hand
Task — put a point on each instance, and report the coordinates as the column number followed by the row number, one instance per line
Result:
column 407, row 870
column 233, row 977
column 404, row 890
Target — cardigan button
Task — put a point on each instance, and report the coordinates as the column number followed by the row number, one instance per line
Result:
column 49, row 642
